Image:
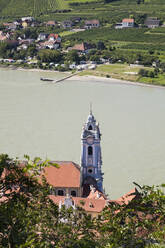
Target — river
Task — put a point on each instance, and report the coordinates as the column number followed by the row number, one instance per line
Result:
column 44, row 119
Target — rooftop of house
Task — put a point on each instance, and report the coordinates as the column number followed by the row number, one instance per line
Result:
column 96, row 194
column 152, row 20
column 128, row 197
column 51, row 23
column 67, row 175
column 89, row 205
column 128, row 20
column 92, row 21
column 81, row 47
column 56, row 36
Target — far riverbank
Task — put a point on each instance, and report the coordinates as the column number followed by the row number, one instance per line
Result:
column 83, row 76
column 112, row 81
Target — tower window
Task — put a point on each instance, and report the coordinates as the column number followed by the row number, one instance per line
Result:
column 73, row 192
column 90, row 171
column 90, row 150
column 90, row 127
column 60, row 192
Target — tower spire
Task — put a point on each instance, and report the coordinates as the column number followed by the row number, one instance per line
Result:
column 91, row 160
column 90, row 108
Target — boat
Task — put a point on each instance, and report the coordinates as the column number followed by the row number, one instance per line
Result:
column 46, row 79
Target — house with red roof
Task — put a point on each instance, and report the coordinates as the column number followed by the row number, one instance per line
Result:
column 53, row 42
column 54, row 37
column 128, row 23
column 51, row 23
column 82, row 48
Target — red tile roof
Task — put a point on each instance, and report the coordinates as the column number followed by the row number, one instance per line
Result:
column 53, row 35
column 89, row 205
column 92, row 22
column 96, row 195
column 81, row 47
column 128, row 20
column 67, row 175
column 125, row 199
column 51, row 23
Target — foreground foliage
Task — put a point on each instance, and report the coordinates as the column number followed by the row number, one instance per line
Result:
column 28, row 218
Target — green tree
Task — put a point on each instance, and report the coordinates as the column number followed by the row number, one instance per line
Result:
column 48, row 55
column 72, row 56
column 28, row 218
column 32, row 51
column 100, row 45
column 131, row 225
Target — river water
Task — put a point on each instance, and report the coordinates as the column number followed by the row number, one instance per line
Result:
column 44, row 119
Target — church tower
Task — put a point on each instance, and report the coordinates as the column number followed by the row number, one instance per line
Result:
column 91, row 161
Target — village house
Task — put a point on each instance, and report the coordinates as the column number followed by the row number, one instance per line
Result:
column 53, row 41
column 42, row 37
column 128, row 23
column 11, row 25
column 49, row 44
column 28, row 18
column 51, row 23
column 4, row 36
column 54, row 37
column 24, row 43
column 76, row 19
column 67, row 24
column 25, row 24
column 82, row 48
column 119, row 25
column 152, row 22
column 89, row 24
column 28, row 21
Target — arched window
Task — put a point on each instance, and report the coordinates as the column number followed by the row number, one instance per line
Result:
column 90, row 127
column 90, row 150
column 60, row 192
column 90, row 171
column 73, row 192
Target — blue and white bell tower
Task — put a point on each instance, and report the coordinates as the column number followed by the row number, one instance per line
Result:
column 91, row 160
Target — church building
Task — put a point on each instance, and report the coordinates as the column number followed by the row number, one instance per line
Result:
column 85, row 182
column 76, row 180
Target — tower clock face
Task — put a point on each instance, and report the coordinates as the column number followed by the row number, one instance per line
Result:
column 90, row 140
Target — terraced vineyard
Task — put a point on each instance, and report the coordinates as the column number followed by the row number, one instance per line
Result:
column 17, row 8
column 111, row 12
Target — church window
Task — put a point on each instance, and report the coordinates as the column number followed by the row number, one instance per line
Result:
column 90, row 171
column 90, row 150
column 90, row 127
column 60, row 192
column 73, row 192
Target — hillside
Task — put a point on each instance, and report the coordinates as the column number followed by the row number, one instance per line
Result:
column 17, row 8
column 109, row 10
